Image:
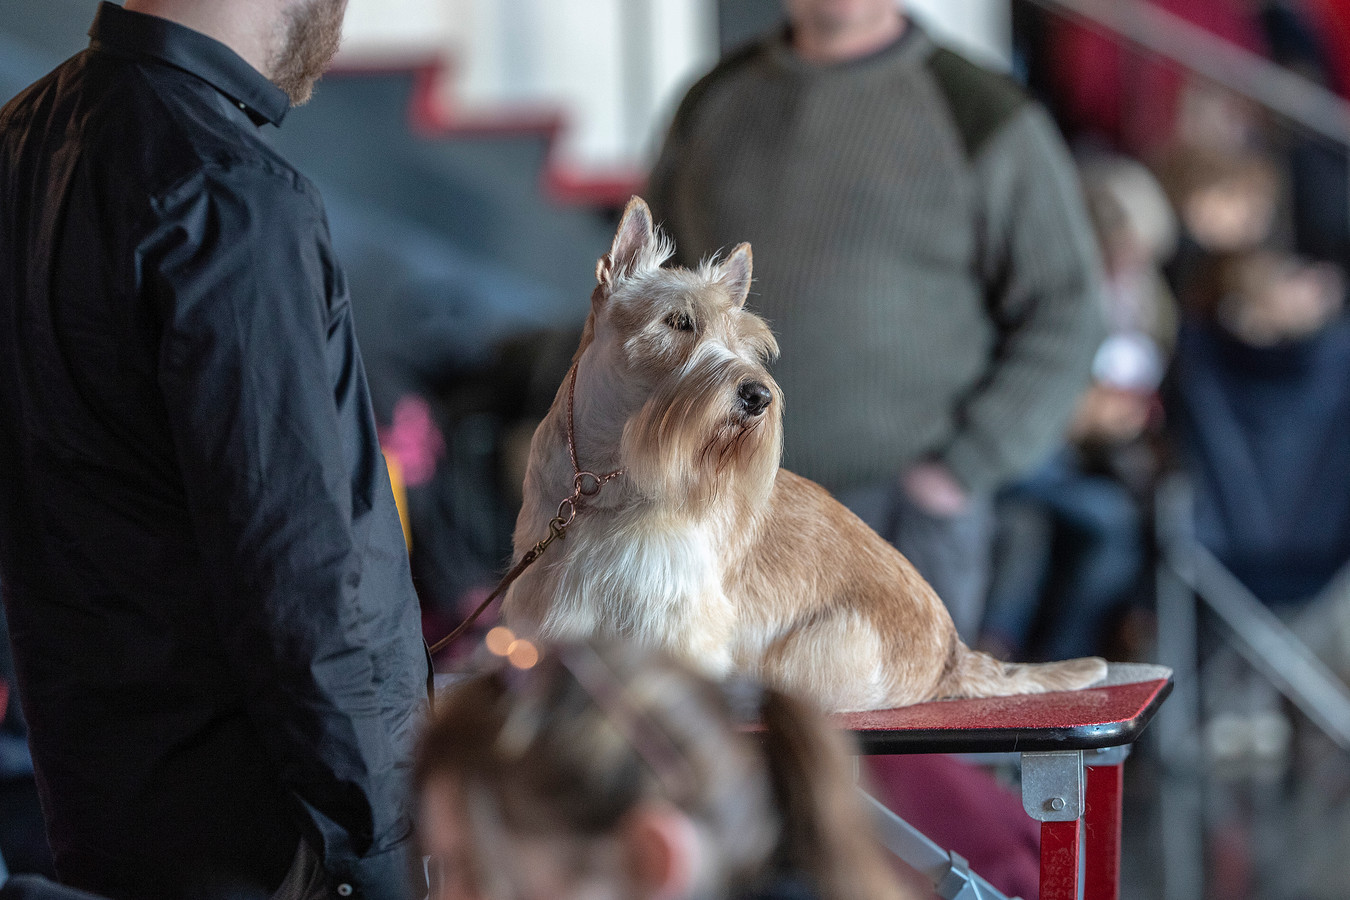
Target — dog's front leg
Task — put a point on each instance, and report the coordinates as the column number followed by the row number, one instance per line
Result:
column 709, row 636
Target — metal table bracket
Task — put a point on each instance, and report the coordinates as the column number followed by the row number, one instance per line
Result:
column 1052, row 785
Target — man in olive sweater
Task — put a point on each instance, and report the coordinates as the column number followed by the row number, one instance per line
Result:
column 922, row 253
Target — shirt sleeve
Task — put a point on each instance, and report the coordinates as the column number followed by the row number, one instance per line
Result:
column 1039, row 262
column 241, row 272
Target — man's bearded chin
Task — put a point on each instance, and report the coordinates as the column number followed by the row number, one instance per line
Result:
column 312, row 31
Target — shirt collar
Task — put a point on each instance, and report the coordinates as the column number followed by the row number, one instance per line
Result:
column 121, row 31
column 912, row 47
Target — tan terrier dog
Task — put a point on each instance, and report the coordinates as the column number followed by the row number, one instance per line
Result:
column 690, row 537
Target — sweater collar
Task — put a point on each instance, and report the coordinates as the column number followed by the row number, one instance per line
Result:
column 126, row 33
column 911, row 48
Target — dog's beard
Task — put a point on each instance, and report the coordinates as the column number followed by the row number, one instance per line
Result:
column 691, row 445
column 312, row 32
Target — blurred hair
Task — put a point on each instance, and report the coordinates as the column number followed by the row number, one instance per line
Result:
column 1122, row 194
column 1191, row 170
column 560, row 750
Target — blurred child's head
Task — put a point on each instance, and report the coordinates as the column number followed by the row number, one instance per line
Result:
column 611, row 771
column 1130, row 212
column 1226, row 201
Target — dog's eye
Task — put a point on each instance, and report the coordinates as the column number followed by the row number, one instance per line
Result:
column 680, row 321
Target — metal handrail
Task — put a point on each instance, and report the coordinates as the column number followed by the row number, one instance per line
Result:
column 1166, row 34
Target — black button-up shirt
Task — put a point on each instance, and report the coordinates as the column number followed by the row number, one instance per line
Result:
column 216, row 634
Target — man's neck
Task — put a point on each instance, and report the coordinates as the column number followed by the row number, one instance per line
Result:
column 248, row 27
column 854, row 41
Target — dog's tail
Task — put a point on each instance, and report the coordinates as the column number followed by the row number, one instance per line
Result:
column 976, row 674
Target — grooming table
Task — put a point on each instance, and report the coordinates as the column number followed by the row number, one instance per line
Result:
column 1072, row 745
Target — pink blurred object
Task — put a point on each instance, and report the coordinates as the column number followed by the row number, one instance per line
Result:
column 4, row 700
column 1332, row 20
column 1107, row 89
column 414, row 440
column 963, row 808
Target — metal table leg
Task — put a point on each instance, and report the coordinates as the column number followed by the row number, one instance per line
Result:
column 1062, row 860
column 950, row 873
column 1076, row 796
column 1102, row 824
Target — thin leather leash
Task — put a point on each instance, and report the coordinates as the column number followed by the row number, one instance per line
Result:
column 585, row 484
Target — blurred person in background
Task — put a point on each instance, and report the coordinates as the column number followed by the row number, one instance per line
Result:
column 1071, row 546
column 1109, row 93
column 1260, row 401
column 605, row 770
column 207, row 587
column 922, row 254
column 1228, row 201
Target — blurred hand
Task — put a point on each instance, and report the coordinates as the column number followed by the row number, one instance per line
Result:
column 1110, row 415
column 934, row 489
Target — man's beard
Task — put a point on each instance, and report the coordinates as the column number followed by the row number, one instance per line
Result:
column 312, row 31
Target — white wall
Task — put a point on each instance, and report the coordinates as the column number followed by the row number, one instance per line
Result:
column 390, row 28
column 610, row 69
column 982, row 28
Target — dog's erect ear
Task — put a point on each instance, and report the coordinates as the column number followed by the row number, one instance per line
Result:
column 735, row 274
column 635, row 234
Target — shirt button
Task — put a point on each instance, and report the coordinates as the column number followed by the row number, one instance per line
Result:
column 344, row 890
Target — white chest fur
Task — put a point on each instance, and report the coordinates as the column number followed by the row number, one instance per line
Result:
column 654, row 581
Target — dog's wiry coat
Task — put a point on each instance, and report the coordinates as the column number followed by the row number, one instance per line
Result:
column 704, row 545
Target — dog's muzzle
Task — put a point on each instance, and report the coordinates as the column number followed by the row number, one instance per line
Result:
column 755, row 397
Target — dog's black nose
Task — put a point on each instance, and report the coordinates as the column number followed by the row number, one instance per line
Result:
column 755, row 397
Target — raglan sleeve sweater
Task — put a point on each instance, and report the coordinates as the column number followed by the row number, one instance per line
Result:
column 1038, row 261
column 921, row 252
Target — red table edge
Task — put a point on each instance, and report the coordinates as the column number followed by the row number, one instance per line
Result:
column 1094, row 736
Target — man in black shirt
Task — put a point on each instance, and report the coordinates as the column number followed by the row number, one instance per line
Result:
column 217, row 638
